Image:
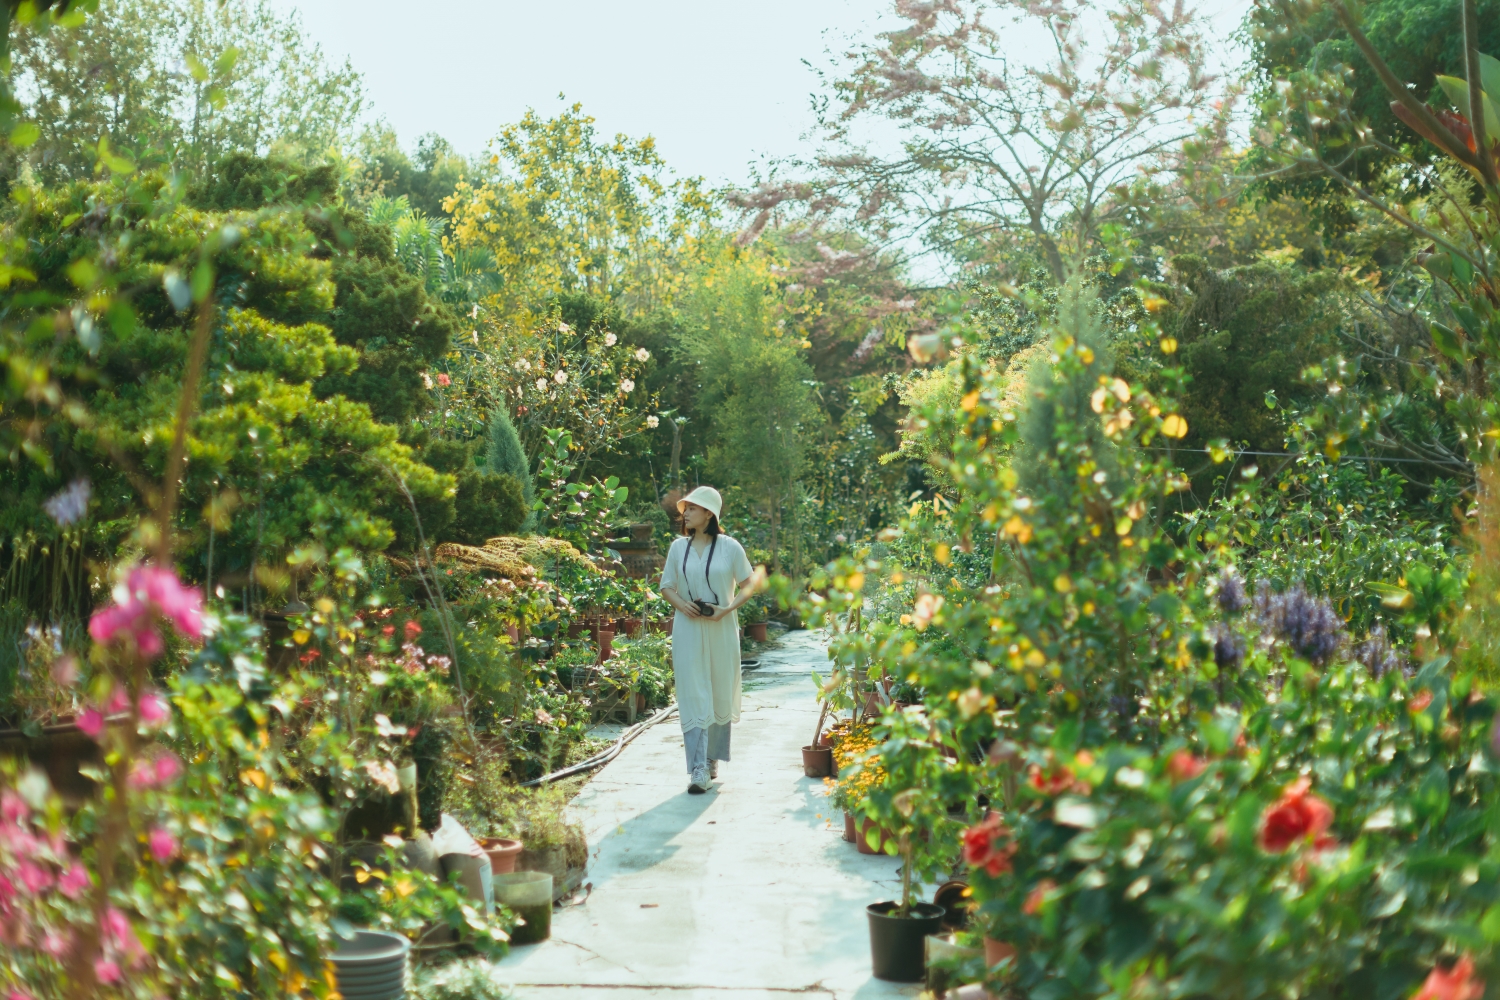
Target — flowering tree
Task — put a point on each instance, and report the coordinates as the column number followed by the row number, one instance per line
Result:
column 998, row 149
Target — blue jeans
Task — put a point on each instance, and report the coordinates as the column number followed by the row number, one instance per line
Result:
column 705, row 744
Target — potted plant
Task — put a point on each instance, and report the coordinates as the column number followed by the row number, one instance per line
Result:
column 907, row 815
column 755, row 616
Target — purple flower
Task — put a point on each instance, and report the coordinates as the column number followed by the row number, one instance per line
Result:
column 1376, row 653
column 1307, row 624
column 1231, row 595
column 69, row 506
column 1229, row 648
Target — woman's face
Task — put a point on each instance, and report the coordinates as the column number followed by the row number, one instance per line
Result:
column 694, row 518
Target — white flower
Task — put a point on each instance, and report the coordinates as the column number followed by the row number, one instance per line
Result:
column 627, row 385
column 563, row 327
column 427, row 380
column 560, row 378
column 641, row 354
column 523, row 365
column 610, row 340
column 653, row 421
column 383, row 773
column 541, row 385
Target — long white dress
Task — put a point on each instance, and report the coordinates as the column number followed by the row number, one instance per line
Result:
column 705, row 654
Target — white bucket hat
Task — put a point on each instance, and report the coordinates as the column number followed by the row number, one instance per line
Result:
column 704, row 496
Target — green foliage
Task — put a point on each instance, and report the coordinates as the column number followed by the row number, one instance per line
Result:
column 486, row 504
column 1418, row 38
column 1245, row 332
column 174, row 82
column 505, row 455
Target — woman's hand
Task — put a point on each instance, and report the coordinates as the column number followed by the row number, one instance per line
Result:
column 690, row 609
column 719, row 613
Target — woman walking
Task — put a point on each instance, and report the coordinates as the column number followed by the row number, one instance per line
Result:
column 707, row 578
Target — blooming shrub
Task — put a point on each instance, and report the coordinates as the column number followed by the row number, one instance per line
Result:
column 1170, row 786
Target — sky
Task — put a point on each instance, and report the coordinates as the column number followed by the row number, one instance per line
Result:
column 720, row 85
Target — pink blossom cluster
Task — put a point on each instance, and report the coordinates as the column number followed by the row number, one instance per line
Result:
column 416, row 659
column 35, row 870
column 151, row 708
column 147, row 594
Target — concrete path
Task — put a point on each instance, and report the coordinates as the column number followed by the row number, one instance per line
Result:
column 747, row 892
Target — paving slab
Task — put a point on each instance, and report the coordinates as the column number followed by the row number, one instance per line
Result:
column 747, row 892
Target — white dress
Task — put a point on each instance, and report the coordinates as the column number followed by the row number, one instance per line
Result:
column 705, row 654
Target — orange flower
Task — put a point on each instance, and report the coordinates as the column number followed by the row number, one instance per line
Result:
column 1458, row 983
column 1297, row 816
column 1183, row 766
column 1420, row 701
column 1037, row 896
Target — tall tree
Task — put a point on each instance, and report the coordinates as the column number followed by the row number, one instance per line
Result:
column 997, row 149
column 184, row 82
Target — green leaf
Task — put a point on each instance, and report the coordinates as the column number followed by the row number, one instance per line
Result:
column 196, row 68
column 1446, row 340
column 24, row 134
column 1458, row 92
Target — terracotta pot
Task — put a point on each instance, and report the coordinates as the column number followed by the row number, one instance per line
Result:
column 503, row 853
column 666, row 625
column 640, row 702
column 577, row 628
column 997, row 951
column 817, row 761
column 757, row 631
column 515, row 634
column 862, row 837
column 898, row 944
column 628, row 627
column 849, row 830
column 606, row 640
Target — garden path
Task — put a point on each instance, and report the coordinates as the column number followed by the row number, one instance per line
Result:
column 747, row 892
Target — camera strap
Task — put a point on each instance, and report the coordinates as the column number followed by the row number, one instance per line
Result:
column 706, row 564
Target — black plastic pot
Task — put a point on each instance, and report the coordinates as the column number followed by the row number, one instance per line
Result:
column 897, row 946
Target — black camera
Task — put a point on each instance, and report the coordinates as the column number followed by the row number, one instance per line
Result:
column 705, row 609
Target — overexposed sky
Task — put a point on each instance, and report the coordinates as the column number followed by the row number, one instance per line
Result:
column 720, row 84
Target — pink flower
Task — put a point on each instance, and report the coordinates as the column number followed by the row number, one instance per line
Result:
column 168, row 767
column 54, row 944
column 118, row 702
column 13, row 808
column 149, row 592
column 34, row 878
column 153, row 708
column 163, row 845
column 91, row 722
column 443, row 379
column 17, row 995
column 106, row 971
column 73, row 881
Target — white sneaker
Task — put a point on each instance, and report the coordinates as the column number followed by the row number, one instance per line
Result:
column 713, row 769
column 700, row 781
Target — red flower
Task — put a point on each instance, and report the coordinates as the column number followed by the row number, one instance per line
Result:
column 1420, row 701
column 1295, row 817
column 1458, row 983
column 413, row 629
column 1053, row 781
column 1183, row 766
column 1037, row 896
column 984, row 845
